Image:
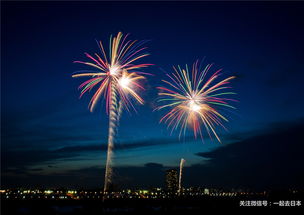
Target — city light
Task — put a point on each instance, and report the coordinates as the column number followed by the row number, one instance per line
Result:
column 48, row 191
column 155, row 193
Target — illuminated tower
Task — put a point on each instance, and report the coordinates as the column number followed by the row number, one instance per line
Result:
column 172, row 180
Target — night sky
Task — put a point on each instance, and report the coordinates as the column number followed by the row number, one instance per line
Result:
column 50, row 139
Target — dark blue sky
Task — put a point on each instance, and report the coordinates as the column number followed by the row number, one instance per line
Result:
column 49, row 137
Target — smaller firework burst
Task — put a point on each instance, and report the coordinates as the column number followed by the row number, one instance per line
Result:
column 191, row 100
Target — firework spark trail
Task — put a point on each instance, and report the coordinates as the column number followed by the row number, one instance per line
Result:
column 119, row 112
column 194, row 100
column 113, row 129
column 111, row 136
column 118, row 80
column 181, row 166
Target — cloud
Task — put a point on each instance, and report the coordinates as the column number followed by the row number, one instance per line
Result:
column 273, row 159
column 91, row 177
column 20, row 159
column 40, row 156
column 268, row 159
column 118, row 146
column 36, row 169
column 154, row 165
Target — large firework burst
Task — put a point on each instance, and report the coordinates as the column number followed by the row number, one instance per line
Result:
column 117, row 69
column 117, row 78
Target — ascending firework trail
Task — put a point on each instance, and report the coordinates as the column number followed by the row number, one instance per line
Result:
column 117, row 80
column 181, row 166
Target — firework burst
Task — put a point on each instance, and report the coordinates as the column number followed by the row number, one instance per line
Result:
column 110, row 70
column 117, row 79
column 193, row 100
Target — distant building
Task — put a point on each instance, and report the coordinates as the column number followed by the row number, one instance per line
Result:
column 171, row 180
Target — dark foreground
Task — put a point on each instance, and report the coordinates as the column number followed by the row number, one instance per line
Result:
column 141, row 206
